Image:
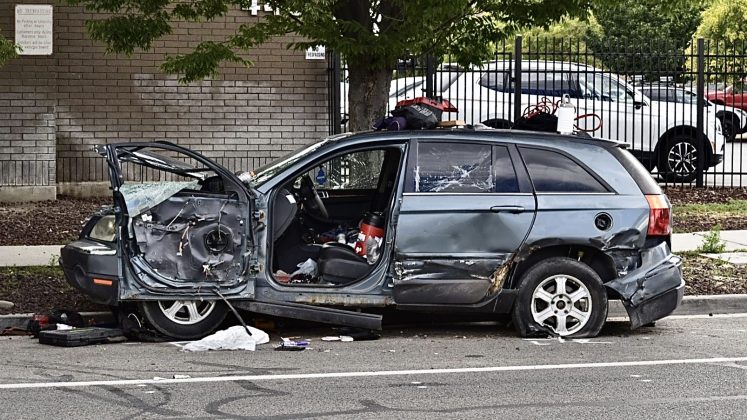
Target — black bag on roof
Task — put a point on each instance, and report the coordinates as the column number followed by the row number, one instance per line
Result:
column 422, row 113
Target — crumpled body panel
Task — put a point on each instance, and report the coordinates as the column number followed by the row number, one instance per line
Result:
column 654, row 289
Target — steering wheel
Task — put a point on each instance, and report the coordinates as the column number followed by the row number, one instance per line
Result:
column 311, row 199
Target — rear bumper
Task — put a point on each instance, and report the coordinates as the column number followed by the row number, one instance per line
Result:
column 655, row 308
column 655, row 289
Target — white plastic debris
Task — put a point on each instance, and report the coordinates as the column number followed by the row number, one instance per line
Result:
column 233, row 338
column 331, row 338
column 63, row 327
column 307, row 267
column 346, row 338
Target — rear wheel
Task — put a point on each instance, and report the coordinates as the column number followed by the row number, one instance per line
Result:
column 560, row 296
column 678, row 159
column 184, row 319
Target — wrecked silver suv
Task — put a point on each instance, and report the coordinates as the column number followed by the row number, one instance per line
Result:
column 546, row 228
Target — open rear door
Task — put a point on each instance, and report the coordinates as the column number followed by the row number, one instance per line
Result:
column 183, row 223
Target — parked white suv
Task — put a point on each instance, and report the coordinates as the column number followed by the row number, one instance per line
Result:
column 661, row 135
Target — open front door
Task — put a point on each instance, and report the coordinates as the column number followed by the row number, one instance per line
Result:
column 184, row 224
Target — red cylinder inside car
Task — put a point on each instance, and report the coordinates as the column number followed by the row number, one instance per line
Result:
column 371, row 231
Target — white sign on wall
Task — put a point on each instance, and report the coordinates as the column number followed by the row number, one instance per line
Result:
column 34, row 28
column 316, row 53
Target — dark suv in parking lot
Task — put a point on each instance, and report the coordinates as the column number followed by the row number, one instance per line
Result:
column 546, row 228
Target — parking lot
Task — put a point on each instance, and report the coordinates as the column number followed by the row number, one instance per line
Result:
column 684, row 367
column 735, row 156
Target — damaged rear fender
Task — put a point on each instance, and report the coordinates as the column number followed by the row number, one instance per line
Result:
column 654, row 289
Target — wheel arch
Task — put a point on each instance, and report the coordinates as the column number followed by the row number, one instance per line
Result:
column 595, row 258
column 681, row 130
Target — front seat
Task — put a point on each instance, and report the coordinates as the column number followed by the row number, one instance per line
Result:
column 339, row 264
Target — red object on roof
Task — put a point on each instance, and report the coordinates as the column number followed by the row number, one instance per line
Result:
column 443, row 104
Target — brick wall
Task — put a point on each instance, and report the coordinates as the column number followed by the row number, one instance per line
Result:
column 53, row 109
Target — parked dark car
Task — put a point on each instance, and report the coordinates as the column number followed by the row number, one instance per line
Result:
column 543, row 227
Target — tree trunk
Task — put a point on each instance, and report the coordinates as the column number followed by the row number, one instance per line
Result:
column 368, row 93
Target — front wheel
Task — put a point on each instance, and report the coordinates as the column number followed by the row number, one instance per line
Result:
column 184, row 319
column 678, row 160
column 560, row 296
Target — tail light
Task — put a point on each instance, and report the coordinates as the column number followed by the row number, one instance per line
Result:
column 659, row 215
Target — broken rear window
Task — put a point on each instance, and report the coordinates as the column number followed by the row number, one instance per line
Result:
column 454, row 168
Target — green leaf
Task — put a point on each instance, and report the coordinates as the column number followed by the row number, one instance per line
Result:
column 8, row 50
column 202, row 63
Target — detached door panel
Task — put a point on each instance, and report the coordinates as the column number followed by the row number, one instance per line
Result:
column 455, row 229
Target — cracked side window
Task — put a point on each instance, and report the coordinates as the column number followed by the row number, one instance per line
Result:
column 454, row 168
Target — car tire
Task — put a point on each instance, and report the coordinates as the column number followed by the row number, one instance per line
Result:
column 678, row 159
column 580, row 310
column 184, row 320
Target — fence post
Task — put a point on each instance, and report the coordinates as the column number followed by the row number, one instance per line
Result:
column 517, row 79
column 335, row 101
column 430, row 74
column 700, row 114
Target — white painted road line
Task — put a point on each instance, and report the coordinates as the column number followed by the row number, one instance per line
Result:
column 331, row 375
column 704, row 316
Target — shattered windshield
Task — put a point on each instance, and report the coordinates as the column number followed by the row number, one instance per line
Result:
column 265, row 172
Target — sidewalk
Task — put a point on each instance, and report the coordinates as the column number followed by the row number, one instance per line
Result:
column 734, row 240
column 48, row 254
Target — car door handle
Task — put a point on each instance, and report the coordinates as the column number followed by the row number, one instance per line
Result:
column 507, row 209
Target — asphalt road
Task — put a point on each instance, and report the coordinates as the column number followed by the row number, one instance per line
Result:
column 681, row 368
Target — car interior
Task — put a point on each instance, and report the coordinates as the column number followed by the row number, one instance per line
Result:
column 329, row 222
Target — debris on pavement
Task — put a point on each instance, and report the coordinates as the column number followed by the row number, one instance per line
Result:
column 76, row 337
column 233, row 338
column 4, row 304
column 292, row 345
column 348, row 334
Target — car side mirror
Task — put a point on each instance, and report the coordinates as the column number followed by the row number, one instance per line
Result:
column 638, row 104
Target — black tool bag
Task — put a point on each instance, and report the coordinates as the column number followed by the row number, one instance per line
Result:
column 542, row 121
column 419, row 116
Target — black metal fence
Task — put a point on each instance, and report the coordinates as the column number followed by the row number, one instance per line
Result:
column 682, row 113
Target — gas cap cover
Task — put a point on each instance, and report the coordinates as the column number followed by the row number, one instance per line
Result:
column 603, row 221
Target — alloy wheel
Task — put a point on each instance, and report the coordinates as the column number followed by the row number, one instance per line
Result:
column 186, row 312
column 682, row 158
column 561, row 303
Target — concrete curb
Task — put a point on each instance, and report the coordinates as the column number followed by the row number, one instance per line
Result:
column 22, row 320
